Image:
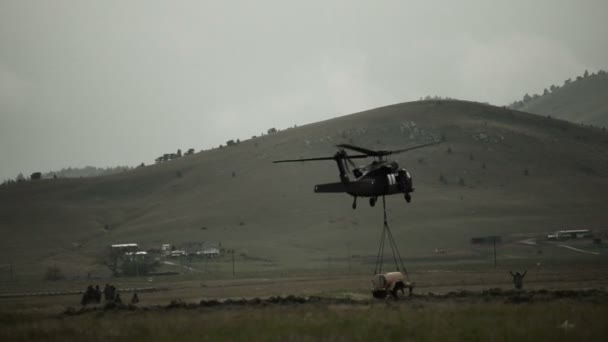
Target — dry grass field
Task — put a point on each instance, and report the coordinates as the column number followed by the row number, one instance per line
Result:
column 413, row 321
column 447, row 306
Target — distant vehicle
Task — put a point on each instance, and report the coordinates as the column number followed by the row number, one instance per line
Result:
column 381, row 177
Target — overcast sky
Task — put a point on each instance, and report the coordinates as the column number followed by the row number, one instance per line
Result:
column 108, row 83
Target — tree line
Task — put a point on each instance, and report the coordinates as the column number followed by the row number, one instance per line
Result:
column 553, row 88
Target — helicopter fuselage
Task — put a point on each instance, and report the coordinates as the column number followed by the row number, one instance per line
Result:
column 377, row 179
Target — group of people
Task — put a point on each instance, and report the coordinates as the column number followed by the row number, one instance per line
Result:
column 91, row 295
column 110, row 293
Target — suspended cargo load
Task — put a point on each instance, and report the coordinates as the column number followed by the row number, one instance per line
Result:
column 390, row 283
column 394, row 282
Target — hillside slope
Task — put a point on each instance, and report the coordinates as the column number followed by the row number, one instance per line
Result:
column 581, row 101
column 522, row 173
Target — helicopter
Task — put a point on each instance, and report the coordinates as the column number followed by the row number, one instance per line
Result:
column 380, row 178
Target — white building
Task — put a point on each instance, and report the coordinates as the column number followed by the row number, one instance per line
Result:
column 570, row 234
column 209, row 252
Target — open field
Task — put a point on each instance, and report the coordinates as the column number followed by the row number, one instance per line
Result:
column 340, row 309
column 383, row 321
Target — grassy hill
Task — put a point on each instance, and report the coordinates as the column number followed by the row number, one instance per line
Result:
column 522, row 174
column 584, row 100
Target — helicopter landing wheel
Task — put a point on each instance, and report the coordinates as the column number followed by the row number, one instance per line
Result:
column 372, row 201
column 355, row 203
column 408, row 198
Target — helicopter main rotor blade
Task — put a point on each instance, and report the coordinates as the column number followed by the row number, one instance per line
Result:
column 359, row 149
column 383, row 153
column 320, row 158
column 413, row 148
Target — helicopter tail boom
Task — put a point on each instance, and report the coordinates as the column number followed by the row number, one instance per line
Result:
column 330, row 187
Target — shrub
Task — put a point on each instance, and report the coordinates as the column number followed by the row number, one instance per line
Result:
column 53, row 273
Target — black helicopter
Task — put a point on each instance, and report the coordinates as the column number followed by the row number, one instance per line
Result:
column 381, row 177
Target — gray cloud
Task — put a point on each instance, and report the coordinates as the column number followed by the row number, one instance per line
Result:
column 120, row 82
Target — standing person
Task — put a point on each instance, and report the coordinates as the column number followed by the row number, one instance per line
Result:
column 135, row 298
column 112, row 292
column 97, row 294
column 518, row 279
column 106, row 292
column 88, row 296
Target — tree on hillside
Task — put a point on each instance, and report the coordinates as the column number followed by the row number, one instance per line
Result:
column 553, row 88
column 179, row 153
column 567, row 81
column 527, row 98
column 20, row 177
column 137, row 265
column 586, row 74
column 111, row 258
column 545, row 92
column 53, row 273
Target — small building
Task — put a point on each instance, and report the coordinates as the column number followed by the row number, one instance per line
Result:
column 209, row 252
column 165, row 249
column 570, row 234
column 178, row 253
column 36, row 176
column 127, row 247
column 137, row 256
